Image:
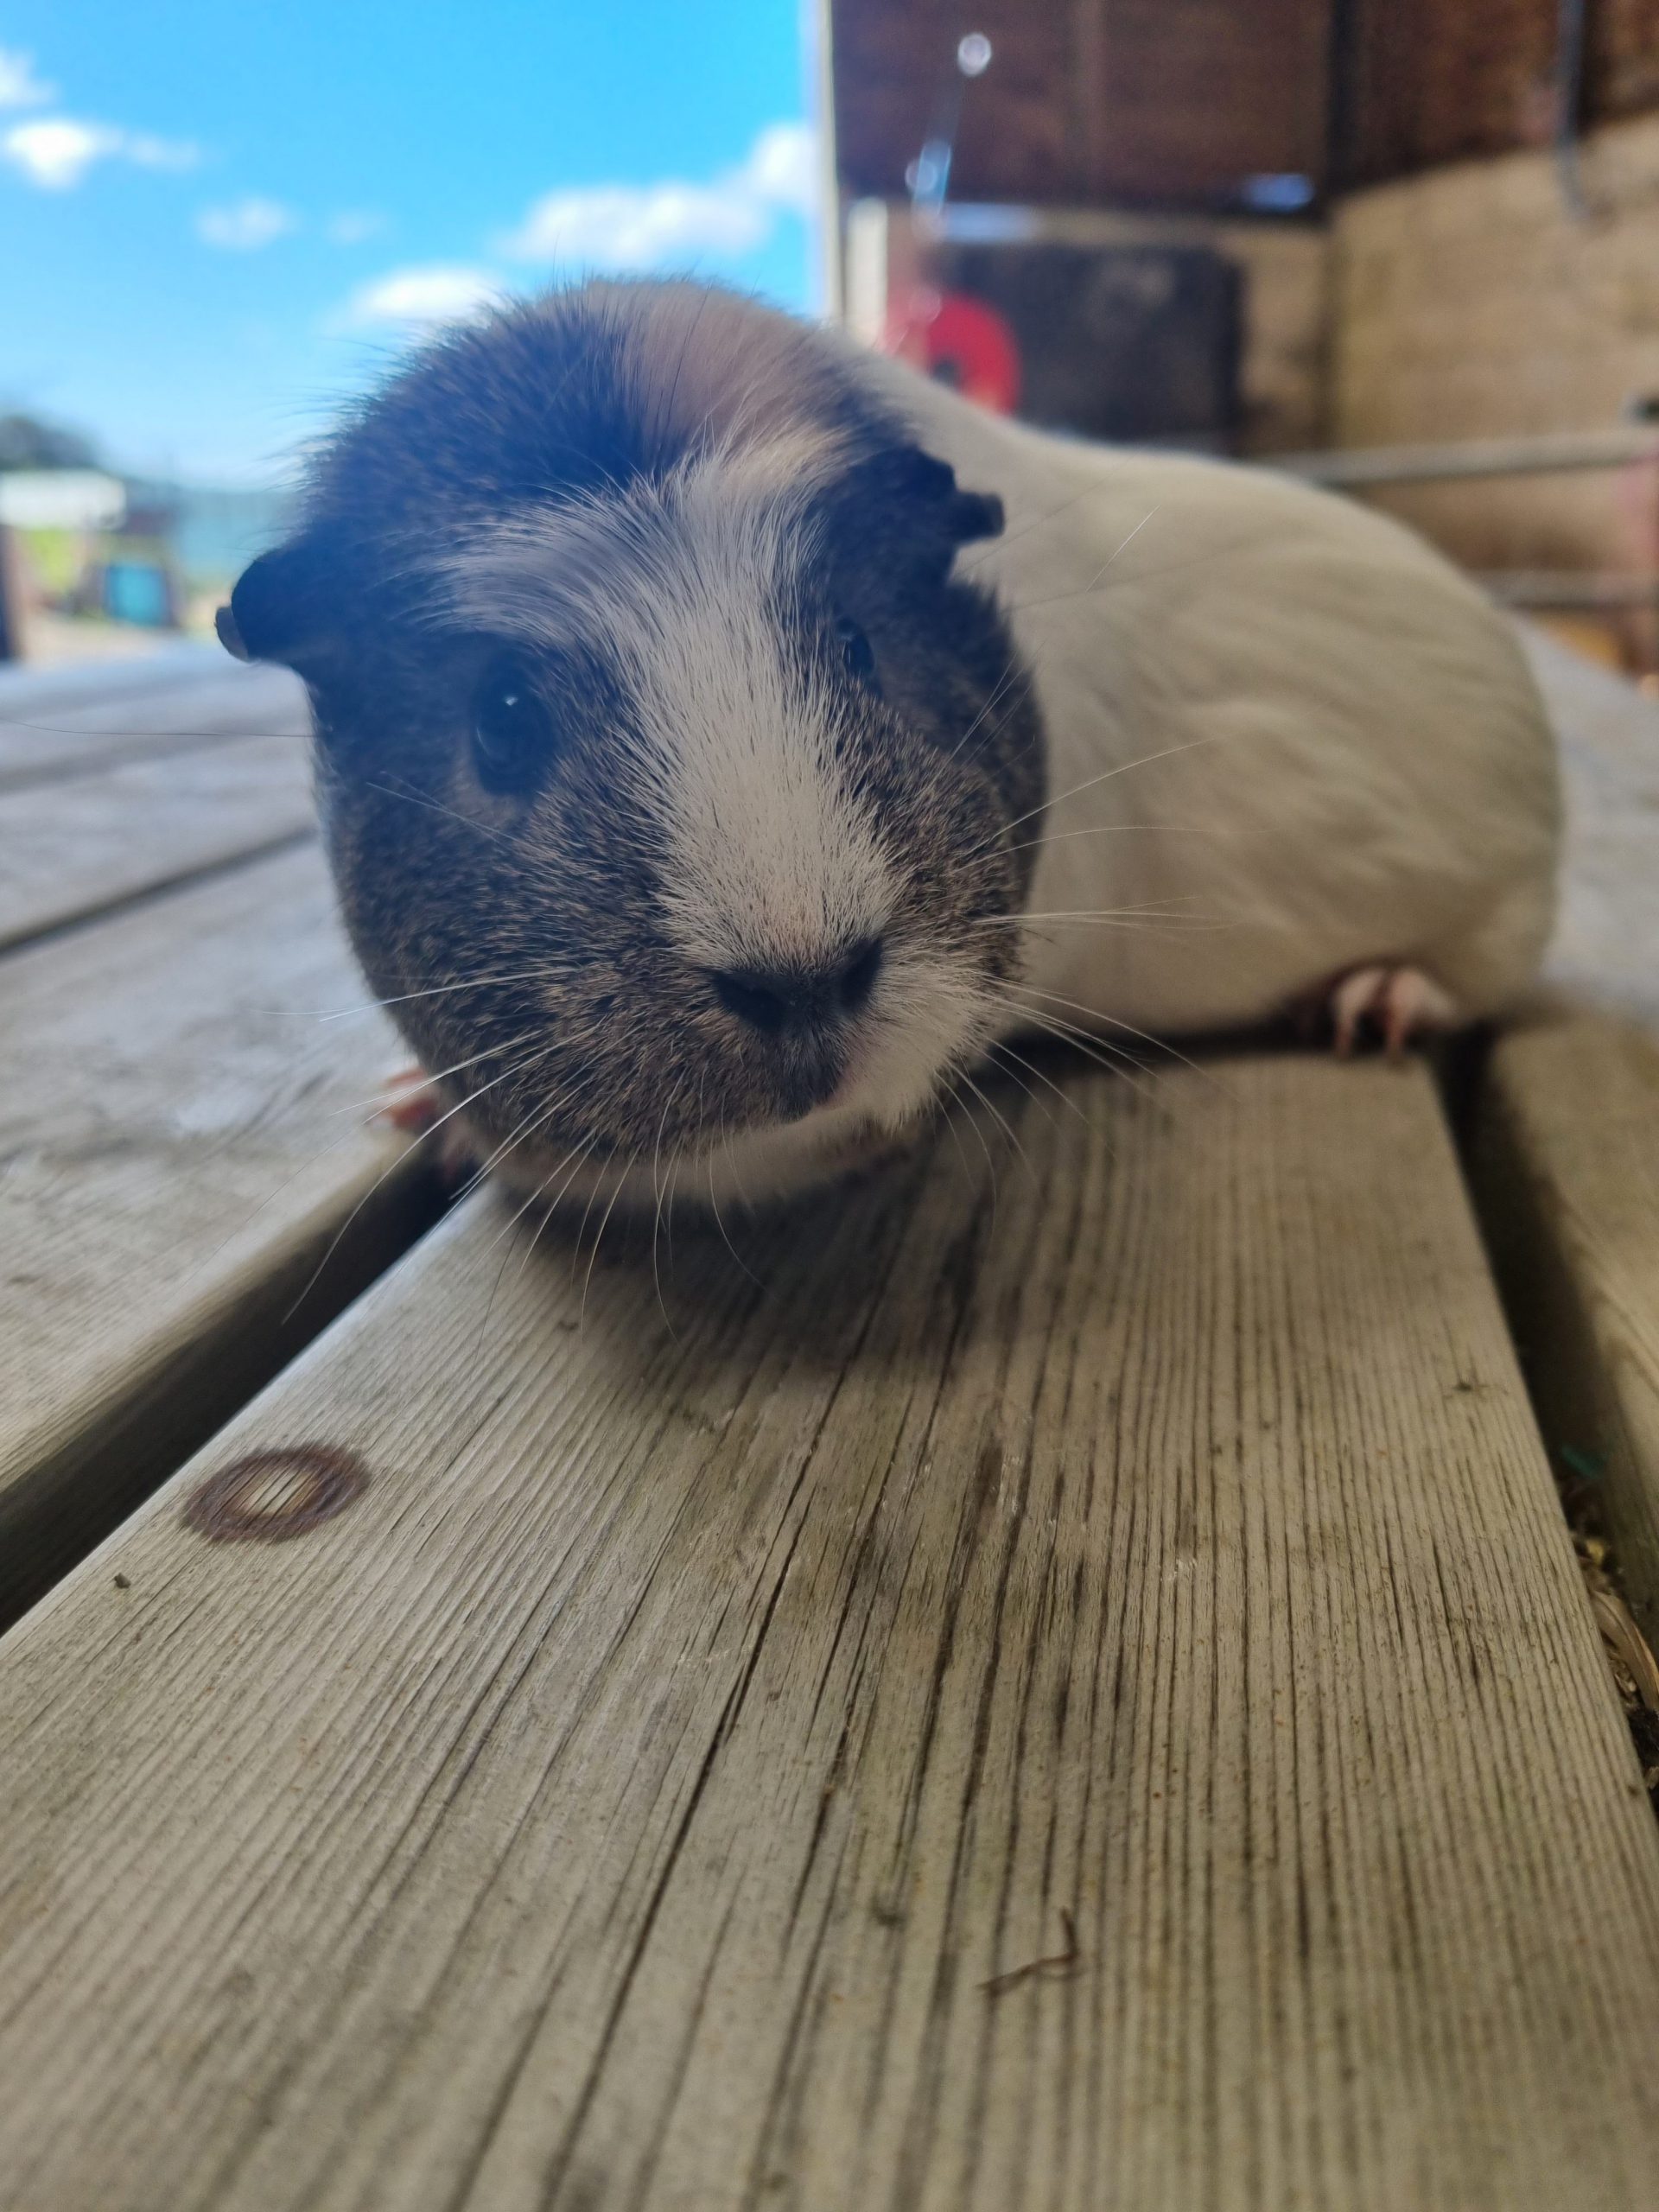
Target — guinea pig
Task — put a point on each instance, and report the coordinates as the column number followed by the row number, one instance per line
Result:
column 726, row 738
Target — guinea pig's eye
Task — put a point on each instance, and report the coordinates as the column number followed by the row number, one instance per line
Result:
column 856, row 649
column 512, row 730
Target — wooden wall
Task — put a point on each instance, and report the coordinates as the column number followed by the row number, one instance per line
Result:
column 1471, row 302
column 1463, row 296
column 1166, row 102
column 1418, row 83
column 1174, row 103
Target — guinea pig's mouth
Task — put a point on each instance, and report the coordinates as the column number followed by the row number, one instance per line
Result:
column 773, row 1114
column 771, row 1159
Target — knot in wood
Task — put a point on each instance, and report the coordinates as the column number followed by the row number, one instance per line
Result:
column 268, row 1497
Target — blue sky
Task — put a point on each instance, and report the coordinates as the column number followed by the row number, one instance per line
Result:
column 217, row 219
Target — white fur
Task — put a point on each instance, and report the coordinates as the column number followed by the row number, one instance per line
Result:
column 769, row 859
column 1285, row 739
column 1279, row 723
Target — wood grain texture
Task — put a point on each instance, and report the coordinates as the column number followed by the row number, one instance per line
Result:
column 24, row 685
column 177, row 1148
column 1566, row 1145
column 68, row 727
column 71, row 849
column 625, row 1801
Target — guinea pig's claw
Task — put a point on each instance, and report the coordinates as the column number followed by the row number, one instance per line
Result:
column 1399, row 1004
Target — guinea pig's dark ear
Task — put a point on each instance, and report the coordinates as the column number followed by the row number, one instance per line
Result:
column 282, row 607
column 964, row 515
column 910, row 492
column 976, row 514
column 927, row 490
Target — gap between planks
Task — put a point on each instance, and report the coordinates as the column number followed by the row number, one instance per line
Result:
column 626, row 1799
column 72, row 850
column 1564, row 1148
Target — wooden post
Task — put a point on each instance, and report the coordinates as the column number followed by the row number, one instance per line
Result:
column 11, row 596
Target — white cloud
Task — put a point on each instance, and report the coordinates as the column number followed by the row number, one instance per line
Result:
column 151, row 153
column 641, row 227
column 56, row 152
column 630, row 227
column 19, row 86
column 783, row 167
column 617, row 226
column 418, row 298
column 246, row 225
column 352, row 224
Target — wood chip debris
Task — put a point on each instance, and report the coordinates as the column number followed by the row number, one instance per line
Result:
column 1057, row 1965
column 1629, row 1655
column 1634, row 1666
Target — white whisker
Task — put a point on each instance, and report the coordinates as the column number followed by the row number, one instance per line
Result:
column 1115, row 1060
column 970, row 567
column 972, row 1120
column 1158, row 1043
column 385, row 1099
column 391, row 1167
column 581, row 1313
column 1002, row 1123
column 1145, row 760
column 437, row 990
column 435, row 806
column 1006, row 1051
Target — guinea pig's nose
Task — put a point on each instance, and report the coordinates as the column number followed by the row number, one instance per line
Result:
column 777, row 1000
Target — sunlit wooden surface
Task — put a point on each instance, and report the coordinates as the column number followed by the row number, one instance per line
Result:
column 1056, row 1677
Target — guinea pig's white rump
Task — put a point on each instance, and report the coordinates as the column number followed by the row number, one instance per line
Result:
column 1284, row 738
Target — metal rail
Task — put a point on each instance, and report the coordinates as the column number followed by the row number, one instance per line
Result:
column 1559, row 452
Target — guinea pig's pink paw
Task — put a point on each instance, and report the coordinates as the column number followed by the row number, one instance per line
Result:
column 414, row 1105
column 1398, row 1004
column 411, row 1104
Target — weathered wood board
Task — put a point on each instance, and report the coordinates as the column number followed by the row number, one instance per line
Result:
column 49, row 730
column 180, row 1139
column 71, row 849
column 24, row 686
column 1567, row 1143
column 627, row 1798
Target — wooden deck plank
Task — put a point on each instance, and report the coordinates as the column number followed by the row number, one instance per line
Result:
column 45, row 736
column 1567, row 1164
column 626, row 1799
column 174, row 1159
column 1567, row 1143
column 23, row 684
column 71, row 849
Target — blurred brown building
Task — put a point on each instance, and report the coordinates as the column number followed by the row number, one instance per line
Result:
column 1435, row 220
